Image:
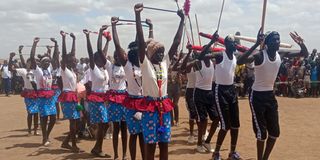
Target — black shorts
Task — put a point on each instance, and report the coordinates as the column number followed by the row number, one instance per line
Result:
column 190, row 104
column 204, row 102
column 265, row 117
column 227, row 106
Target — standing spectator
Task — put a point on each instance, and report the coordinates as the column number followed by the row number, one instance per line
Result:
column 6, row 78
column 307, row 74
column 81, row 68
column 314, row 79
column 313, row 55
column 248, row 78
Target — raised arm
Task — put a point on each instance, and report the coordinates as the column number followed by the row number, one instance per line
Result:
column 177, row 38
column 207, row 47
column 106, row 45
column 175, row 66
column 118, row 49
column 247, row 57
column 55, row 57
column 99, row 43
column 23, row 62
column 48, row 50
column 33, row 53
column 149, row 23
column 64, row 50
column 73, row 49
column 304, row 51
column 89, row 48
column 141, row 43
column 186, row 59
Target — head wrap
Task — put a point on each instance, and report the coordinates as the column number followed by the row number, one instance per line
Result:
column 152, row 47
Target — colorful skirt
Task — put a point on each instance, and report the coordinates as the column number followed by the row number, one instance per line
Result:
column 151, row 127
column 134, row 125
column 31, row 105
column 69, row 110
column 47, row 106
column 98, row 112
column 116, row 112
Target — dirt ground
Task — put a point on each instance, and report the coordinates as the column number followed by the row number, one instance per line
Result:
column 299, row 139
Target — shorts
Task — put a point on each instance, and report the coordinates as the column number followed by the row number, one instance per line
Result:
column 116, row 112
column 227, row 106
column 151, row 124
column 204, row 104
column 47, row 107
column 69, row 110
column 265, row 117
column 134, row 125
column 98, row 112
column 31, row 105
column 190, row 104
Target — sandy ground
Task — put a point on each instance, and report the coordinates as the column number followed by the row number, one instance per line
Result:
column 299, row 139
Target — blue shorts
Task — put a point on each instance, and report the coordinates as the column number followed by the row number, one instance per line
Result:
column 31, row 105
column 98, row 112
column 116, row 112
column 69, row 110
column 151, row 124
column 134, row 125
column 56, row 95
column 47, row 107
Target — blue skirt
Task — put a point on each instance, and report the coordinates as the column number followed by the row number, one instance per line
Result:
column 151, row 125
column 56, row 95
column 69, row 110
column 31, row 105
column 98, row 112
column 47, row 107
column 134, row 125
column 116, row 112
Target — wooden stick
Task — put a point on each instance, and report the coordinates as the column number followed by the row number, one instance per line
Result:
column 198, row 29
column 263, row 19
column 160, row 9
column 44, row 38
column 220, row 15
column 129, row 20
column 122, row 24
column 253, row 40
column 191, row 30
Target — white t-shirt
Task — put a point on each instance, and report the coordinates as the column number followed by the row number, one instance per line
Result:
column 87, row 77
column 117, row 80
column 266, row 73
column 225, row 70
column 99, row 79
column 204, row 77
column 149, row 78
column 69, row 80
column 27, row 77
column 134, row 79
column 191, row 76
column 43, row 78
column 5, row 72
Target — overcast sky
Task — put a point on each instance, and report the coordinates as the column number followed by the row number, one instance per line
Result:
column 22, row 20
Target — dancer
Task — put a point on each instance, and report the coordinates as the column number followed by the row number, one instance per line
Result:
column 264, row 106
column 132, row 70
column 29, row 91
column 43, row 76
column 68, row 98
column 156, row 118
column 96, row 98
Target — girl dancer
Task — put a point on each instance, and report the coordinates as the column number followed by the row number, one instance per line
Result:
column 156, row 118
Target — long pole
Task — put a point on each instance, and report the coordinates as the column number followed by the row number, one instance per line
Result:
column 221, row 11
column 263, row 19
column 198, row 29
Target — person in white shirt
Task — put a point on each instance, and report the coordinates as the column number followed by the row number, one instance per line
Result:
column 96, row 98
column 68, row 98
column 6, row 77
column 131, row 66
column 154, row 64
column 29, row 91
column 264, row 106
column 45, row 93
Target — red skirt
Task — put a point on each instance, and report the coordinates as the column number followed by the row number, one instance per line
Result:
column 29, row 94
column 45, row 93
column 68, row 96
column 155, row 105
column 134, row 103
column 116, row 97
column 55, row 87
column 96, row 97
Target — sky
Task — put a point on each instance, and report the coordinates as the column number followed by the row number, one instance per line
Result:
column 21, row 20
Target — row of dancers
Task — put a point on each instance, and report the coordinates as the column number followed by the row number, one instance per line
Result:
column 135, row 89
